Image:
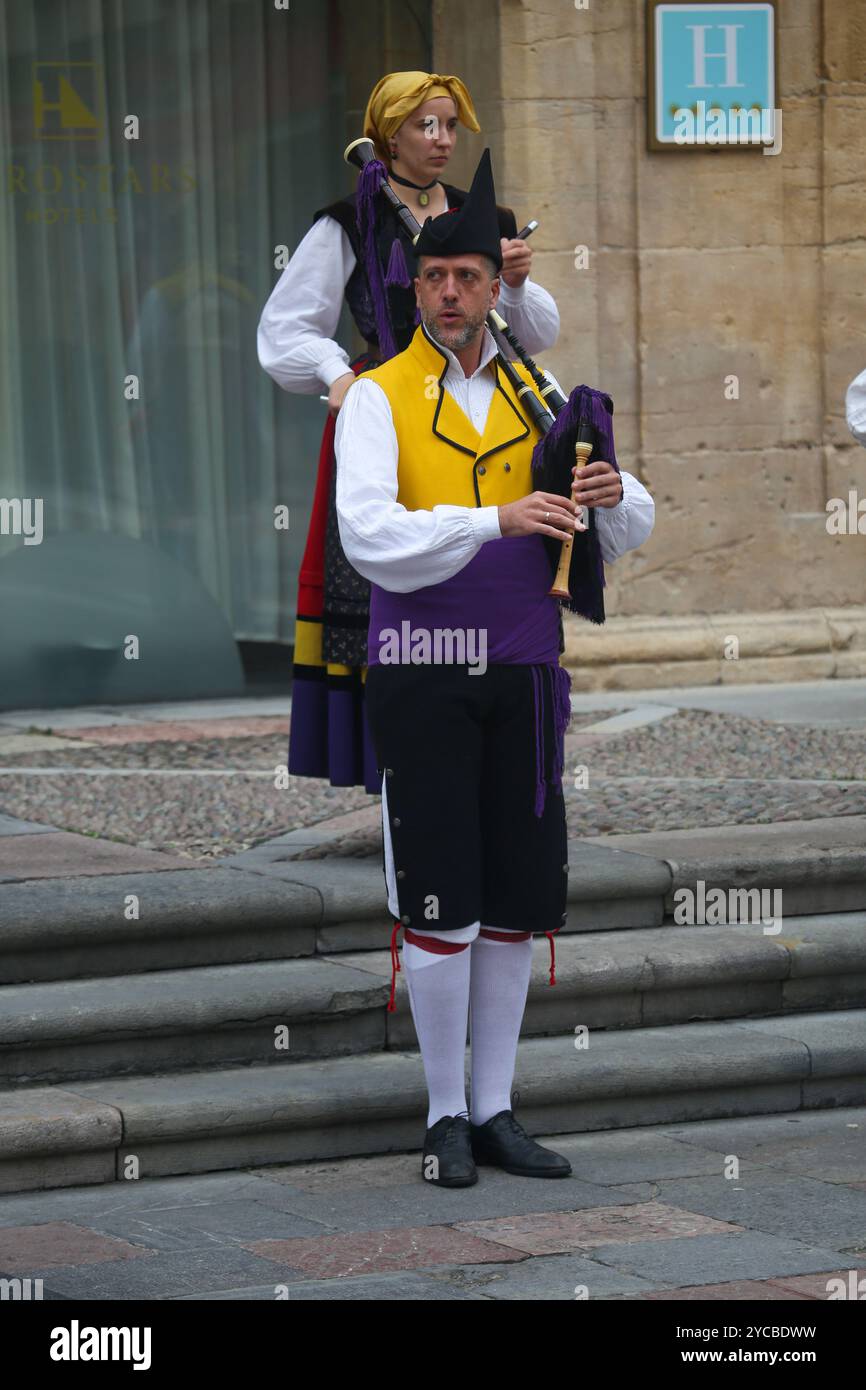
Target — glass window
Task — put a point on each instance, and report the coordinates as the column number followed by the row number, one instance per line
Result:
column 155, row 154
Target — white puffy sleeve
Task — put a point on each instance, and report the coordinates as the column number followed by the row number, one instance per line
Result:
column 855, row 407
column 295, row 339
column 531, row 314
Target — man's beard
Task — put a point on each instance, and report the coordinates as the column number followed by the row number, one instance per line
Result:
column 454, row 338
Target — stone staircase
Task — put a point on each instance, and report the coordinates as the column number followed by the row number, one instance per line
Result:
column 240, row 1018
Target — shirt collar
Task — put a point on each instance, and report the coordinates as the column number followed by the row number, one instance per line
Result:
column 488, row 352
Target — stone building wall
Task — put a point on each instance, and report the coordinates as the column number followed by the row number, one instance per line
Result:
column 701, row 265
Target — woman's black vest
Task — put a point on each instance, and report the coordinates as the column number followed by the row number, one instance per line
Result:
column 401, row 302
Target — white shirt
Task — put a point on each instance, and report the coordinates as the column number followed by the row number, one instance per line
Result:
column 855, row 407
column 295, row 338
column 405, row 550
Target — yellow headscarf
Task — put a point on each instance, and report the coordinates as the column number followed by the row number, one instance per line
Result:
column 397, row 94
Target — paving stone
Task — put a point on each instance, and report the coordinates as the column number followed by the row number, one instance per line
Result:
column 636, row 1156
column 823, row 1285
column 175, row 731
column 714, row 1259
column 742, row 1290
column 737, row 772
column 497, row 1192
column 56, row 1243
column 248, row 707
column 206, row 1223
column 377, row 1251
column 158, row 1195
column 346, row 1174
column 553, row 1233
column 782, row 1204
column 393, row 1288
column 415, row 1203
column 11, row 745
column 56, row 719
column 554, row 1278
column 834, row 1140
column 59, row 854
column 165, row 1275
column 11, row 825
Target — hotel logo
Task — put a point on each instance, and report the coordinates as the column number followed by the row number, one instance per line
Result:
column 66, row 101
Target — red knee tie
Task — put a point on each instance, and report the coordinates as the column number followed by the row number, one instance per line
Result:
column 411, row 938
column 448, row 948
column 550, row 935
column 395, row 964
column 523, row 936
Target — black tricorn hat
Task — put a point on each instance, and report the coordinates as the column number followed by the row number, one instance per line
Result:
column 472, row 228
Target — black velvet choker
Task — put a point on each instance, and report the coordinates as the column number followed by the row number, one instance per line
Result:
column 422, row 188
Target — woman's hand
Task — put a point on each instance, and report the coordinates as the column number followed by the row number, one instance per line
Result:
column 338, row 391
column 516, row 261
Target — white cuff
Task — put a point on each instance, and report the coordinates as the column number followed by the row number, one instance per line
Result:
column 512, row 296
column 333, row 368
column 485, row 523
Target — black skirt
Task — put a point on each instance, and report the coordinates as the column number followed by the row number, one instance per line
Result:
column 458, row 752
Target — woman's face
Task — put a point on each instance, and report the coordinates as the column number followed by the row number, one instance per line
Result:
column 425, row 141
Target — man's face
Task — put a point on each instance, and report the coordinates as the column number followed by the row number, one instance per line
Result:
column 454, row 295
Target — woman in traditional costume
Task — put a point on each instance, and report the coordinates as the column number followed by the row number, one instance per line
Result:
column 412, row 119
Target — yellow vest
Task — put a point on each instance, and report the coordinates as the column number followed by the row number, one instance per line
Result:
column 442, row 457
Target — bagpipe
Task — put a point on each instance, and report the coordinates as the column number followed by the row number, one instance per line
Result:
column 573, row 430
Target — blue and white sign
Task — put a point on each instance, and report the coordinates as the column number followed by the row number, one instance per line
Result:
column 714, row 77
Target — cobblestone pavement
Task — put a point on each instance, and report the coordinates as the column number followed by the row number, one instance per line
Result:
column 700, row 769
column 648, row 1213
column 194, row 790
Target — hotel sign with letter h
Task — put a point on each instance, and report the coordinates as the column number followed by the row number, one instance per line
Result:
column 712, row 76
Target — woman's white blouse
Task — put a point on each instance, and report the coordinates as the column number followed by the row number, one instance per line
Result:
column 295, row 339
column 855, row 407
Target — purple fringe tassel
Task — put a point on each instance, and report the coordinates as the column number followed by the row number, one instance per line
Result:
column 369, row 189
column 560, row 680
column 398, row 271
column 584, row 403
column 540, row 785
column 562, row 718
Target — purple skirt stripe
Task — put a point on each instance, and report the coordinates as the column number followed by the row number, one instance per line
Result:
column 329, row 736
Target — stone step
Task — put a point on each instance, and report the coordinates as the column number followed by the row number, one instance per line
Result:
column 173, row 1020
column 200, row 1121
column 218, row 1016
column 266, row 904
column 817, row 865
column 258, row 906
column 671, row 974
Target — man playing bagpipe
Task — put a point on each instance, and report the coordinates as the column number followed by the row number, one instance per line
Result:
column 441, row 506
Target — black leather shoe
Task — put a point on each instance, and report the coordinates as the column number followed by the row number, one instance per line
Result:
column 503, row 1142
column 448, row 1143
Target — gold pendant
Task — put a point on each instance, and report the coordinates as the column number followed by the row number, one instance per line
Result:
column 423, row 199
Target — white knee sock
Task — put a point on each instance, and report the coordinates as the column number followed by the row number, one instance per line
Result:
column 438, row 988
column 499, row 984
